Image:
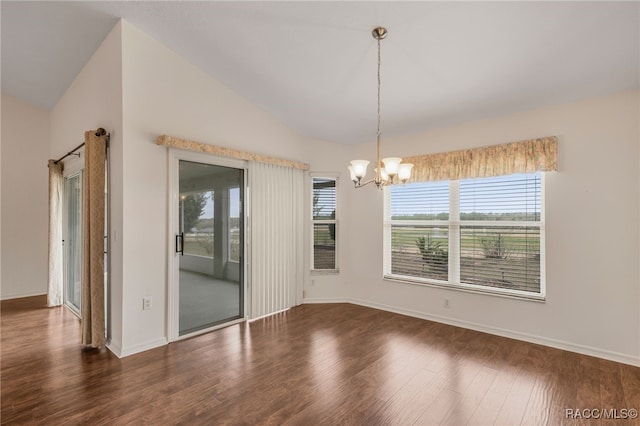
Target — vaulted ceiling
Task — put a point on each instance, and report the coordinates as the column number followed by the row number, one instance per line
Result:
column 313, row 64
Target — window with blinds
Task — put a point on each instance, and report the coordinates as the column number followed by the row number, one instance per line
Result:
column 324, row 224
column 483, row 234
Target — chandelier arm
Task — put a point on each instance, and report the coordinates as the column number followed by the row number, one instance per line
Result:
column 361, row 184
column 379, row 183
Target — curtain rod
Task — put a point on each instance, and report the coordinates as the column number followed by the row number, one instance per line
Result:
column 99, row 132
column 72, row 152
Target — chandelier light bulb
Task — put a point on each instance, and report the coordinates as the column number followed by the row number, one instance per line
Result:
column 383, row 175
column 359, row 168
column 391, row 165
column 404, row 172
column 352, row 174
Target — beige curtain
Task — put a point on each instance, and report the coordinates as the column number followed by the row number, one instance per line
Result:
column 93, row 314
column 515, row 157
column 172, row 142
column 54, row 285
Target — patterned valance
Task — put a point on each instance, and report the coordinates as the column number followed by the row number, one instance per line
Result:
column 171, row 142
column 515, row 157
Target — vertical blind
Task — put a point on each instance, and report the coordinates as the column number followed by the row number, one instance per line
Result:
column 276, row 246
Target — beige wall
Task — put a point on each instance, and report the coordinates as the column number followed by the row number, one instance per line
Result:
column 94, row 100
column 592, row 229
column 165, row 94
column 24, row 192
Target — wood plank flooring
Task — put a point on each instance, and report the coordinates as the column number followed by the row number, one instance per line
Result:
column 313, row 365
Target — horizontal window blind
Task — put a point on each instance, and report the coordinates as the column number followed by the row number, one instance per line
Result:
column 503, row 198
column 324, row 223
column 324, row 199
column 420, row 201
column 501, row 257
column 481, row 233
column 419, row 251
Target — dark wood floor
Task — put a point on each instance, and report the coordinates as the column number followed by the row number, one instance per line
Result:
column 315, row 364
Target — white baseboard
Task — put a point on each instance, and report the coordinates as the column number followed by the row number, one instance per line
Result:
column 21, row 295
column 311, row 300
column 123, row 352
column 541, row 340
column 115, row 349
column 257, row 318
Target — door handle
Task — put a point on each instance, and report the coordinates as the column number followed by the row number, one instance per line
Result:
column 180, row 243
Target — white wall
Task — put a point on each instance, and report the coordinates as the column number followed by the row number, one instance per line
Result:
column 25, row 206
column 94, row 100
column 330, row 158
column 164, row 94
column 592, row 245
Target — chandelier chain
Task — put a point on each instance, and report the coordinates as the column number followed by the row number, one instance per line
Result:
column 379, row 56
column 378, row 177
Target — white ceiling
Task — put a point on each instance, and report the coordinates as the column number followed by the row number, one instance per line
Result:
column 313, row 64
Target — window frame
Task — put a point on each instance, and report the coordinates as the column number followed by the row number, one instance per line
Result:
column 454, row 226
column 336, row 178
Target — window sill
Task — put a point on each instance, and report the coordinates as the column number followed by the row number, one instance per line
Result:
column 468, row 288
column 325, row 271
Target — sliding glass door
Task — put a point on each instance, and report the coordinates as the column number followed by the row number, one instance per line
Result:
column 209, row 246
column 73, row 242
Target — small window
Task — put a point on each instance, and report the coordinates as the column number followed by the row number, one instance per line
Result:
column 324, row 224
column 483, row 234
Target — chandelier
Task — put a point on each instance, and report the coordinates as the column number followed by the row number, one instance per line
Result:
column 393, row 166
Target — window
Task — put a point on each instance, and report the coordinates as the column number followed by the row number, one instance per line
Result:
column 197, row 222
column 234, row 224
column 324, row 224
column 483, row 234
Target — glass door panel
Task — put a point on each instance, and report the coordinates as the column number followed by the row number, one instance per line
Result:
column 73, row 242
column 210, row 240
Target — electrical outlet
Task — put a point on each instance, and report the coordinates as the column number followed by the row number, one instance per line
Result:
column 146, row 303
column 446, row 303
